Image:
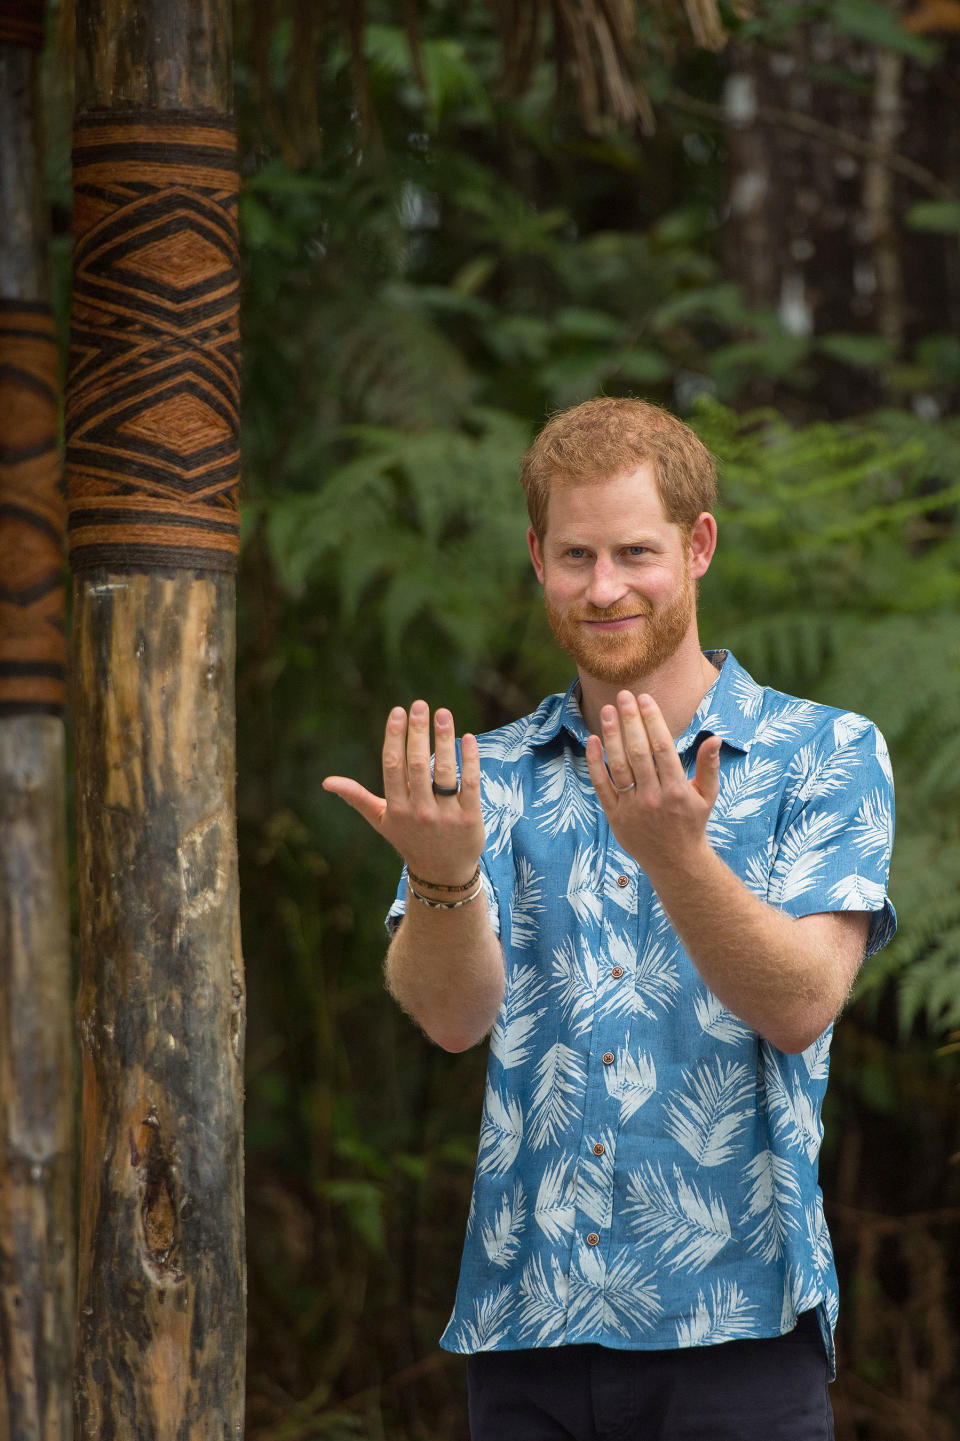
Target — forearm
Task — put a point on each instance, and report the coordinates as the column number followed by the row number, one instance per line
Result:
column 445, row 969
column 782, row 978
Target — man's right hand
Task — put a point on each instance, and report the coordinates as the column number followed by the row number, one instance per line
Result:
column 439, row 836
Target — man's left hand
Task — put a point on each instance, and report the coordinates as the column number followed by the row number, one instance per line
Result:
column 657, row 815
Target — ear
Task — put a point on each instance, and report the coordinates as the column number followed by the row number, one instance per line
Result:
column 536, row 553
column 703, row 542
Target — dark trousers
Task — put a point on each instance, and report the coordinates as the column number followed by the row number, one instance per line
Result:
column 768, row 1390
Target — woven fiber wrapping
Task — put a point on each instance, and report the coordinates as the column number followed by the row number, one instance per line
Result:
column 32, row 645
column 152, row 409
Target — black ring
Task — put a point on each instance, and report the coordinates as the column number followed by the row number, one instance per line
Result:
column 445, row 790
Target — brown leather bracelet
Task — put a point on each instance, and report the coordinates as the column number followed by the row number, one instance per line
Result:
column 436, row 885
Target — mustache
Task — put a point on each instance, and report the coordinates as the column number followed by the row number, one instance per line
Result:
column 614, row 612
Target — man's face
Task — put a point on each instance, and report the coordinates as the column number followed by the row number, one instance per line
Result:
column 617, row 576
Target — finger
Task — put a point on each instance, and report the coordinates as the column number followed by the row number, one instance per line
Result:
column 418, row 751
column 659, row 740
column 371, row 807
column 445, row 749
column 395, row 786
column 706, row 777
column 602, row 784
column 470, row 774
column 618, row 761
column 636, row 744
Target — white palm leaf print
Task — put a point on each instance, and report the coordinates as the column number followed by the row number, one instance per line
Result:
column 747, row 694
column 565, row 795
column 585, row 885
column 715, row 1020
column 543, row 1303
column 803, row 853
column 508, row 743
column 792, row 1114
column 832, row 1303
column 561, row 1080
column 773, row 1203
column 618, row 1296
column 526, row 905
column 784, row 725
column 631, row 1080
column 833, row 777
column 818, row 1235
column 555, row 1209
column 816, row 1058
column 705, row 1119
column 595, row 1183
column 574, row 983
column 883, row 757
column 694, row 1227
column 744, row 792
column 799, row 1294
column 656, row 979
column 501, row 1236
column 501, row 1133
column 849, row 727
column 510, row 1039
column 858, row 893
column 803, row 765
column 490, row 1315
column 501, row 804
column 872, row 828
column 724, row 1318
column 756, row 873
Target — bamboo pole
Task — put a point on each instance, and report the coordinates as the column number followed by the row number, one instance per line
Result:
column 152, row 459
column 36, row 1073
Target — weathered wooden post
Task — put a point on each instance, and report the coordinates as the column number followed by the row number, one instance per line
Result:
column 36, row 1074
column 152, row 465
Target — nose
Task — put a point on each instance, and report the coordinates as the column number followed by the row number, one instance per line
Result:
column 606, row 585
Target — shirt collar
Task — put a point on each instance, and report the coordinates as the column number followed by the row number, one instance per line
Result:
column 729, row 709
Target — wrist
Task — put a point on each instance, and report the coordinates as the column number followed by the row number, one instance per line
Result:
column 446, row 884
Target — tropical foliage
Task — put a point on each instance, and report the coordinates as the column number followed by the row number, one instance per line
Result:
column 436, row 256
column 448, row 264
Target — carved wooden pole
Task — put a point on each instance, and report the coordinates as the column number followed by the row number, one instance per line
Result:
column 36, row 1078
column 152, row 463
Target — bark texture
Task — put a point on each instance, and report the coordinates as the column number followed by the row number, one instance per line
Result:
column 37, row 1249
column 160, row 1011
column 36, row 1115
column 161, row 1306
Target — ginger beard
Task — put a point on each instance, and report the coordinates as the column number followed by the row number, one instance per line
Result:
column 621, row 657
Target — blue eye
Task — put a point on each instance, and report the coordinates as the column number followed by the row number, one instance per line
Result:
column 636, row 550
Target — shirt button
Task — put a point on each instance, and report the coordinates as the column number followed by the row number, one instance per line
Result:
column 599, row 1148
column 623, row 881
column 617, row 972
column 593, row 1239
column 608, row 1058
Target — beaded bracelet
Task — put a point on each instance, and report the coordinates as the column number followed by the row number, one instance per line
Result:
column 444, row 905
column 436, row 886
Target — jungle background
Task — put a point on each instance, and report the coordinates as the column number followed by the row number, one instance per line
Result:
column 453, row 224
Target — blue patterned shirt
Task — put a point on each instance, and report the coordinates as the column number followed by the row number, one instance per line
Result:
column 647, row 1167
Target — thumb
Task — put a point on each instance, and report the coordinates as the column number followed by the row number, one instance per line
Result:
column 371, row 807
column 707, row 775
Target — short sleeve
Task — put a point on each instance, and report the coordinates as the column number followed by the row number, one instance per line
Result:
column 833, row 853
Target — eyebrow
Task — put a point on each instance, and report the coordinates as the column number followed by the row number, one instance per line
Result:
column 565, row 540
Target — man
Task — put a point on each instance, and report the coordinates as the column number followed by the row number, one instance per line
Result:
column 656, row 891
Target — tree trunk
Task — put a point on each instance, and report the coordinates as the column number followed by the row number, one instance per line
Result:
column 36, row 1074
column 152, row 458
column 822, row 174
